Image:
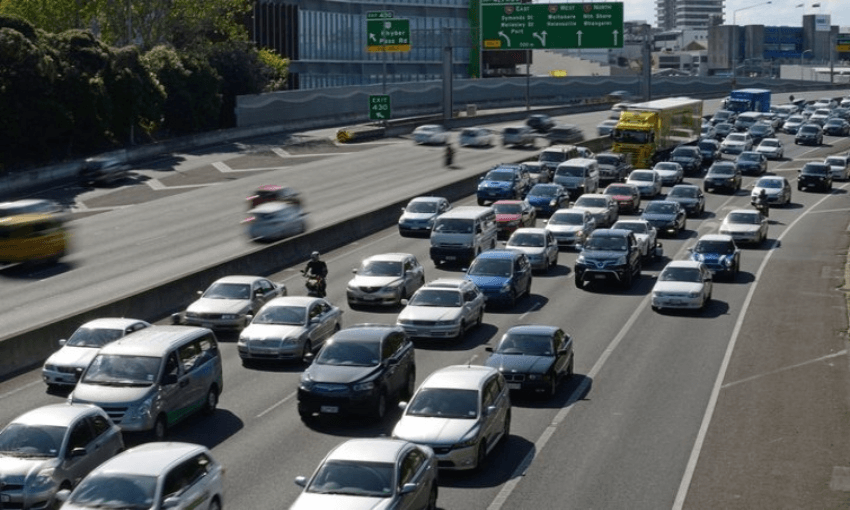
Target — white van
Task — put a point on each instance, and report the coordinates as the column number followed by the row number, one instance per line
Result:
column 459, row 235
column 578, row 176
column 154, row 378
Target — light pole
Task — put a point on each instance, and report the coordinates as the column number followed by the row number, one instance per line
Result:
column 735, row 38
column 801, row 61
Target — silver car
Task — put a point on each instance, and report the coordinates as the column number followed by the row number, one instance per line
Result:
column 65, row 366
column 776, row 188
column 671, row 173
column 419, row 215
column 746, row 226
column 647, row 181
column 538, row 244
column 385, row 279
column 153, row 476
column 289, row 328
column 372, row 473
column 462, row 412
column 477, row 137
column 603, row 208
column 519, row 135
column 51, row 448
column 444, row 308
column 229, row 302
column 431, row 134
column 839, row 164
column 571, row 226
column 275, row 220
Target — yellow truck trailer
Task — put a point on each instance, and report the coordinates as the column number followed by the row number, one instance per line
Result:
column 651, row 130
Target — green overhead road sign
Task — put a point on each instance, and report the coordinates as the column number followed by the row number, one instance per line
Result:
column 379, row 107
column 385, row 33
column 517, row 26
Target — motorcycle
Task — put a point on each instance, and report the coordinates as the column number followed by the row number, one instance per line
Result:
column 761, row 205
column 449, row 156
column 315, row 285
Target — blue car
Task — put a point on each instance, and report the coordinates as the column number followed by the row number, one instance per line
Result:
column 504, row 182
column 548, row 198
column 719, row 254
column 502, row 275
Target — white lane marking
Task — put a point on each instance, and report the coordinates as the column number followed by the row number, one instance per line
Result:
column 278, row 404
column 534, row 308
column 779, row 370
column 18, row 390
column 718, row 383
column 281, row 152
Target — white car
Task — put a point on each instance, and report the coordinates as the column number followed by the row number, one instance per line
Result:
column 746, row 226
column 477, row 137
column 647, row 181
column 230, row 302
column 772, row 148
column 385, row 279
column 538, row 244
column 275, row 220
column 682, row 284
column 444, row 308
column 793, row 123
column 520, row 135
column 571, row 226
column 776, row 188
column 840, row 166
column 820, row 116
column 65, row 366
column 671, row 173
column 289, row 328
column 645, row 234
column 431, row 134
column 736, row 143
column 462, row 412
column 605, row 127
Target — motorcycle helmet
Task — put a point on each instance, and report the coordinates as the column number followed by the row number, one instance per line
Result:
column 314, row 255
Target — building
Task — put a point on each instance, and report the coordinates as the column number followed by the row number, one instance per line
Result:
column 687, row 14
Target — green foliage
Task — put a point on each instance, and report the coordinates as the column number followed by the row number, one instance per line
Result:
column 277, row 70
column 50, row 15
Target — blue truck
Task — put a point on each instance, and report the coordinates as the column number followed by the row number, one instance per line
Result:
column 748, row 100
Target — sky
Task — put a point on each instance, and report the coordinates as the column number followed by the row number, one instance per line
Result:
column 777, row 13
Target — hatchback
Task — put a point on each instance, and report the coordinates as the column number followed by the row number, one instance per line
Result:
column 461, row 412
column 534, row 358
column 519, row 135
column 719, row 253
column 431, row 134
column 502, row 275
column 477, row 137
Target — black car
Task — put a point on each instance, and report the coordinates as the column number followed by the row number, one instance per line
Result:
column 710, row 150
column 761, row 130
column 723, row 175
column 689, row 156
column 540, row 122
column 722, row 129
column 667, row 216
column 689, row 196
column 609, row 254
column 836, row 127
column 809, row 134
column 724, row 116
column 752, row 162
column 534, row 358
column 815, row 176
column 359, row 371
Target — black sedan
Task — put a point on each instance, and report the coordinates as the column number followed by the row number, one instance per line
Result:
column 540, row 122
column 722, row 129
column 689, row 196
column 761, row 130
column 710, row 150
column 815, row 176
column 533, row 358
column 723, row 175
column 836, row 127
column 689, row 157
column 752, row 162
column 667, row 216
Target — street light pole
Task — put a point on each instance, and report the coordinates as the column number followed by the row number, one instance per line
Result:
column 735, row 38
column 801, row 62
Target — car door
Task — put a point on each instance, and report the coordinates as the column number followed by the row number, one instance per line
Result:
column 494, row 395
column 551, row 247
column 414, row 275
column 557, row 345
column 187, row 485
column 522, row 274
column 473, row 305
column 413, row 468
column 193, row 385
column 81, row 452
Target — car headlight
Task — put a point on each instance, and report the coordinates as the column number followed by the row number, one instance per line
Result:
column 450, row 322
column 144, row 408
column 693, row 294
column 393, row 286
column 552, row 203
column 306, row 381
column 364, row 386
column 621, row 260
column 535, row 377
column 471, row 439
column 42, row 481
column 506, row 286
column 289, row 341
column 580, row 259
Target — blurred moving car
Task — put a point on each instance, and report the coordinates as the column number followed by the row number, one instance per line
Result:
column 385, row 279
column 104, row 169
column 273, row 193
column 51, row 448
column 670, row 172
column 513, row 214
column 539, row 246
column 418, row 216
column 289, row 328
column 444, row 308
column 719, row 254
column 746, row 226
column 627, row 197
column 606, row 127
column 34, row 206
column 477, row 137
column 431, row 134
column 777, row 189
column 462, row 412
column 372, row 473
column 540, row 122
column 682, row 284
column 65, row 366
column 839, row 164
column 230, row 302
column 522, row 136
column 690, row 197
column 570, row 227
column 564, row 133
column 275, row 220
column 772, row 148
column 154, row 476
column 534, row 358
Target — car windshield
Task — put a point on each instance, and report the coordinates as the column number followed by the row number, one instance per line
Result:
column 512, row 130
column 350, row 353
column 722, row 114
column 499, row 175
column 736, row 138
column 707, row 145
column 769, row 183
column 741, row 217
column 491, row 267
column 809, row 129
column 605, row 159
column 472, row 132
column 369, row 479
column 290, row 314
column 682, row 153
column 722, row 170
column 680, row 274
column 642, row 176
column 567, row 219
column 811, row 169
column 527, row 240
column 749, row 156
column 93, row 337
column 769, row 143
column 380, row 268
column 552, row 156
column 684, row 192
column 638, row 227
column 453, row 226
column 570, row 171
column 759, row 128
column 115, row 370
column 660, row 208
column 795, row 118
column 445, row 403
column 435, row 297
column 422, row 207
column 723, row 127
column 591, row 202
column 428, row 129
column 115, row 491
column 835, row 162
column 667, row 166
column 834, row 122
column 723, row 247
column 543, row 191
column 526, row 345
column 606, row 243
column 228, row 291
column 507, row 208
column 24, row 440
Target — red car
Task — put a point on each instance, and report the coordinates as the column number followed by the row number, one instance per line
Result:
column 627, row 197
column 513, row 214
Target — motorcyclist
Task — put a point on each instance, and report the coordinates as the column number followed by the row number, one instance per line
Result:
column 450, row 153
column 317, row 267
column 761, row 202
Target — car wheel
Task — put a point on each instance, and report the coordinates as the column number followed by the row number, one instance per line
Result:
column 461, row 330
column 306, row 416
column 481, row 455
column 215, row 505
column 528, row 289
column 512, row 298
column 506, row 428
column 407, row 392
column 579, row 281
column 627, row 279
column 480, row 319
column 432, row 497
column 552, row 390
column 480, row 202
column 306, row 350
column 211, row 402
column 160, row 428
column 571, row 367
column 380, row 407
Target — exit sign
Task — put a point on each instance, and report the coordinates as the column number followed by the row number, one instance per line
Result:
column 379, row 107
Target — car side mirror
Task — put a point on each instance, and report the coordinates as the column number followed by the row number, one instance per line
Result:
column 199, row 292
column 77, row 452
column 489, row 349
column 354, row 271
column 171, row 502
column 301, row 481
column 62, row 495
column 489, row 410
column 176, row 318
column 408, row 488
column 62, row 342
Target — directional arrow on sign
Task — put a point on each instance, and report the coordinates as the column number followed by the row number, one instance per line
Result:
column 579, row 37
column 541, row 37
column 615, row 37
column 502, row 34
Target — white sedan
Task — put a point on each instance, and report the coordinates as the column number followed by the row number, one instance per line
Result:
column 230, row 302
column 431, row 134
column 736, row 143
column 477, row 137
column 746, row 226
column 682, row 284
column 645, row 234
column 772, row 148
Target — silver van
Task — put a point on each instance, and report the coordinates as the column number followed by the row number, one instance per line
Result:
column 152, row 379
column 578, row 175
column 459, row 235
column 554, row 155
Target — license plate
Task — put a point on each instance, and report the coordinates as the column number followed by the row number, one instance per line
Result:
column 5, row 498
column 329, row 409
column 370, row 298
column 206, row 325
column 451, row 257
column 514, row 386
column 599, row 276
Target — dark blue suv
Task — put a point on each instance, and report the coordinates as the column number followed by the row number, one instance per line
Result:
column 504, row 182
column 502, row 275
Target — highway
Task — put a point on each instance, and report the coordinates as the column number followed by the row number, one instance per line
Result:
column 743, row 405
